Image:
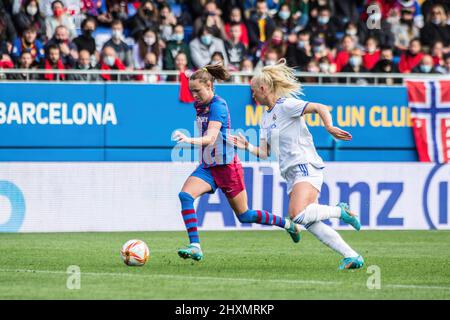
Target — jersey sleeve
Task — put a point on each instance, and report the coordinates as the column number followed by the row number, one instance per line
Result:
column 294, row 107
column 219, row 112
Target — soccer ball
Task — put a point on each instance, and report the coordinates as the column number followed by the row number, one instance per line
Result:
column 135, row 253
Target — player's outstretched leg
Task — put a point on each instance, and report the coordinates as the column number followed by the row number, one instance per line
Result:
column 317, row 212
column 332, row 239
column 193, row 250
column 267, row 218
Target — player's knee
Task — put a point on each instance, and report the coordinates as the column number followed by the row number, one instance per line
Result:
column 293, row 212
column 247, row 217
column 185, row 197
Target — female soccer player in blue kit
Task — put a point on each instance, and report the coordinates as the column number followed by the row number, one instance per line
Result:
column 219, row 166
column 284, row 133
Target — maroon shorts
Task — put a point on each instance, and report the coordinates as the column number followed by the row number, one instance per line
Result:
column 229, row 178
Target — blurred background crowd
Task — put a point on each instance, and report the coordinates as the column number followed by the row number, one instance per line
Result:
column 326, row 36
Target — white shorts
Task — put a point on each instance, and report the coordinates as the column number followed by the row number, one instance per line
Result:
column 304, row 173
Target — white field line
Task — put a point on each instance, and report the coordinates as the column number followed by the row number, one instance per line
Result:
column 174, row 276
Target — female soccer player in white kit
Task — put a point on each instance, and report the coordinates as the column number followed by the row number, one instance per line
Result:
column 285, row 133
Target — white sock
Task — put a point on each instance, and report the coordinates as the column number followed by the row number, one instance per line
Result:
column 195, row 244
column 317, row 212
column 332, row 239
column 287, row 223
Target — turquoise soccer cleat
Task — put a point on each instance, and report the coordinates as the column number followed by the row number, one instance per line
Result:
column 191, row 252
column 348, row 217
column 293, row 232
column 351, row 263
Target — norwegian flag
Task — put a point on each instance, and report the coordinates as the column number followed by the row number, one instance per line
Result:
column 430, row 115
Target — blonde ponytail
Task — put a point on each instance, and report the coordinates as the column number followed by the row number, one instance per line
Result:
column 280, row 79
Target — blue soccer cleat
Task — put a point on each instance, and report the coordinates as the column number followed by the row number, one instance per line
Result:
column 191, row 252
column 348, row 217
column 351, row 263
column 294, row 232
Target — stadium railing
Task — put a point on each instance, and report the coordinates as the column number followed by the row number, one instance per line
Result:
column 236, row 76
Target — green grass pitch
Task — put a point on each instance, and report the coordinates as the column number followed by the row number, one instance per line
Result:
column 237, row 265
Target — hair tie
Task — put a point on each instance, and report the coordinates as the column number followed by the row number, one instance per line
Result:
column 205, row 69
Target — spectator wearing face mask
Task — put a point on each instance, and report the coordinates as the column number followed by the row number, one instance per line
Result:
column 385, row 66
column 320, row 50
column 83, row 63
column 148, row 42
column 326, row 66
column 59, row 17
column 86, row 41
column 426, row 65
column 69, row 52
column 236, row 50
column 299, row 13
column 174, row 47
column 411, row 57
column 53, row 62
column 28, row 16
column 324, row 27
column 210, row 19
column 145, row 18
column 150, row 64
column 404, row 30
column 236, row 18
column 372, row 53
column 284, row 19
column 351, row 30
column 109, row 61
column 122, row 49
column 386, row 62
column 354, row 65
column 436, row 28
column 355, row 62
column 203, row 47
column 299, row 52
column 25, row 62
column 167, row 22
column 275, row 42
column 270, row 59
column 28, row 43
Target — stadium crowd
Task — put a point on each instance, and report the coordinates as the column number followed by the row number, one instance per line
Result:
column 394, row 36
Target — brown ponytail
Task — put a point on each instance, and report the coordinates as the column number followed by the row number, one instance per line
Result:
column 211, row 72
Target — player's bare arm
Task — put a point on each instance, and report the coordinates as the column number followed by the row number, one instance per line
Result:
column 325, row 115
column 209, row 138
column 240, row 141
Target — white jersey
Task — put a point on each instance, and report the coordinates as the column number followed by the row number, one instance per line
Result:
column 286, row 132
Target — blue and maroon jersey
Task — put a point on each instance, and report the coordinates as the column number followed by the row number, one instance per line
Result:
column 221, row 152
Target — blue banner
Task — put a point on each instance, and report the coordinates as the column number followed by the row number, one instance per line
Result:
column 135, row 121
